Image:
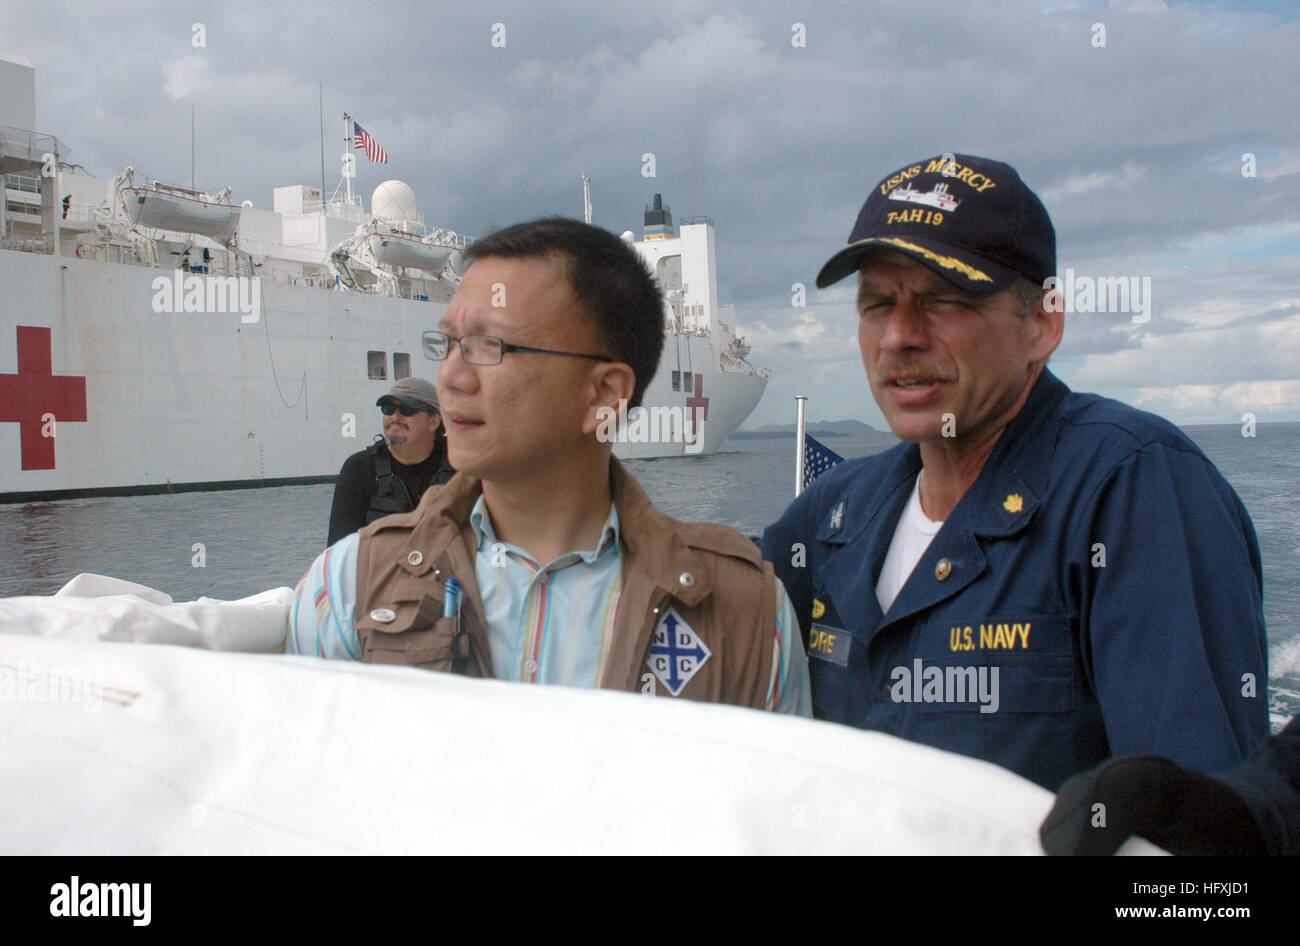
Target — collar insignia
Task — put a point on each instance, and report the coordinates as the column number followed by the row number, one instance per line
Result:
column 837, row 516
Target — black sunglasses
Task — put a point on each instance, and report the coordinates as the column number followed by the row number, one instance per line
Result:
column 406, row 410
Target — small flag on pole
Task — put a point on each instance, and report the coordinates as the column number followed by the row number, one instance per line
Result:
column 363, row 142
column 817, row 459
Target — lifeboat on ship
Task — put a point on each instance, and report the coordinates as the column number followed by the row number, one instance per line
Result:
column 179, row 209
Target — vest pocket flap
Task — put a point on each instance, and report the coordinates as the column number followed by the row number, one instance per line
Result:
column 430, row 648
column 401, row 617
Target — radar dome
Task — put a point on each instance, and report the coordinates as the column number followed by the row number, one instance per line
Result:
column 393, row 200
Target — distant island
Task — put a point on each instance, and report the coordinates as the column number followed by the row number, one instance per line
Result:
column 818, row 429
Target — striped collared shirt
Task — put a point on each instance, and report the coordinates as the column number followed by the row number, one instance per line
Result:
column 545, row 624
column 548, row 623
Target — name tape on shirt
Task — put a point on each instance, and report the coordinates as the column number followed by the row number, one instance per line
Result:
column 1002, row 636
column 829, row 643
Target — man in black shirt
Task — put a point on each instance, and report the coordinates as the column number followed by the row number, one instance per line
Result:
column 392, row 473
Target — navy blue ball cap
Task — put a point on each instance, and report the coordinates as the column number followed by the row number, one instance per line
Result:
column 971, row 220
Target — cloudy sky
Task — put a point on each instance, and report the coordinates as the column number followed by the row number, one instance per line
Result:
column 1137, row 147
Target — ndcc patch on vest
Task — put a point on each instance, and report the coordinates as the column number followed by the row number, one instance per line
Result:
column 676, row 652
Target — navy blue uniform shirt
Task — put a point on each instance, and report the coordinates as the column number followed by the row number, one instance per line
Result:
column 1097, row 591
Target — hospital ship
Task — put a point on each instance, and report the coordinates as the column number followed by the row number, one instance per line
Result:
column 158, row 337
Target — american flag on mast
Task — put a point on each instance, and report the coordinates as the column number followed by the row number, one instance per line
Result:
column 812, row 457
column 817, row 459
column 362, row 141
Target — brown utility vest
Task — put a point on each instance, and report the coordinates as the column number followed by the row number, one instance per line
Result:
column 711, row 576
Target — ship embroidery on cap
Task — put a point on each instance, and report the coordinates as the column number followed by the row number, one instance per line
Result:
column 937, row 196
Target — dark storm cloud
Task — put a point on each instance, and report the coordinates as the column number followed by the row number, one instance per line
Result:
column 1136, row 147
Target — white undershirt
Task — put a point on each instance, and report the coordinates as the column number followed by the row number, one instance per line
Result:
column 911, row 539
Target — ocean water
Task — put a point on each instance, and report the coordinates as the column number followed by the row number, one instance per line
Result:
column 235, row 543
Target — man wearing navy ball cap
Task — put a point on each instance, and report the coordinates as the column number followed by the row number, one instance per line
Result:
column 1037, row 578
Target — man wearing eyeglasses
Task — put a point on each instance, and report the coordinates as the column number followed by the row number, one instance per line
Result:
column 392, row 473
column 567, row 572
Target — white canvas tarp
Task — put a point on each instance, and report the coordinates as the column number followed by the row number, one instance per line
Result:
column 116, row 747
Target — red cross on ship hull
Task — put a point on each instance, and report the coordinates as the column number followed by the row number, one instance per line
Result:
column 34, row 396
column 697, row 408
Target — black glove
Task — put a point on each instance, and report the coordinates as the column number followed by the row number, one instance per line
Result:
column 1181, row 811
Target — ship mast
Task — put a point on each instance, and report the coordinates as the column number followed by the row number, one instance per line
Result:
column 349, row 166
column 586, row 197
column 321, row 88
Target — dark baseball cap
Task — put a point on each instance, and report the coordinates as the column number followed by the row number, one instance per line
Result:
column 971, row 220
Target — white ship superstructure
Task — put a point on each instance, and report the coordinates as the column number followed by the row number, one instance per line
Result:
column 703, row 368
column 155, row 336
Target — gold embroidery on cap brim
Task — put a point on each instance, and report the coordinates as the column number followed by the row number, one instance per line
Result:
column 947, row 262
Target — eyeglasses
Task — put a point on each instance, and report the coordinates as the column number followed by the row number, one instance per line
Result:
column 487, row 349
column 406, row 410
